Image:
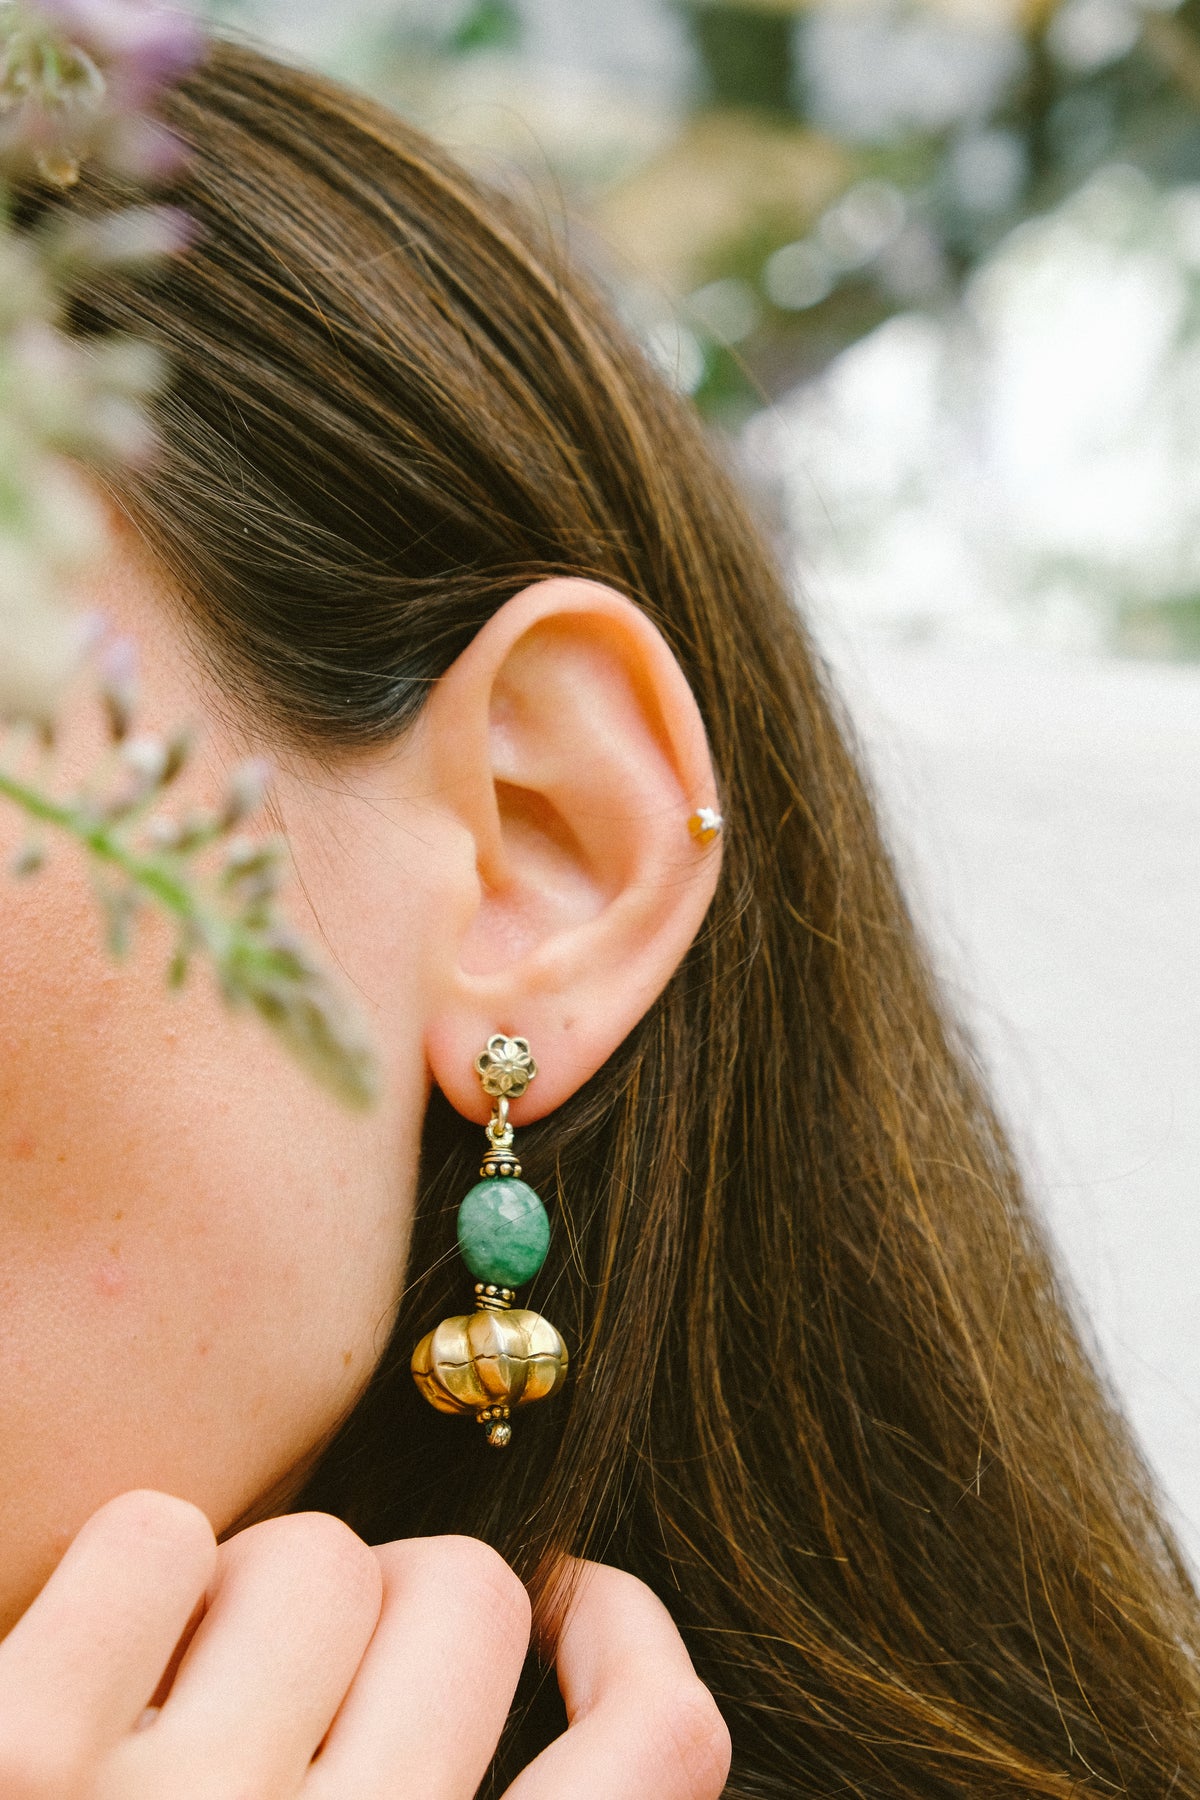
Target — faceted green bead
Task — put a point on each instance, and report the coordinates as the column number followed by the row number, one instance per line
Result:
column 503, row 1231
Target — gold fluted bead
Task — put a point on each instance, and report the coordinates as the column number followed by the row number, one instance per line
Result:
column 478, row 1361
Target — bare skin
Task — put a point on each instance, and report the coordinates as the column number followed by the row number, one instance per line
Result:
column 200, row 1256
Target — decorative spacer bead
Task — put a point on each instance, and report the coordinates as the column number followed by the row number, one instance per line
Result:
column 495, row 1420
column 489, row 1297
column 495, row 1164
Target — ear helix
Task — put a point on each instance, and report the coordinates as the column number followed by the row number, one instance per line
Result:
column 499, row 1356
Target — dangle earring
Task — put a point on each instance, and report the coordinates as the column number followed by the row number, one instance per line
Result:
column 499, row 1356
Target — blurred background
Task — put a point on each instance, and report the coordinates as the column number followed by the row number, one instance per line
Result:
column 931, row 269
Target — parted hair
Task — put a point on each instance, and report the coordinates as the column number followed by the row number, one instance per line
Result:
column 828, row 1397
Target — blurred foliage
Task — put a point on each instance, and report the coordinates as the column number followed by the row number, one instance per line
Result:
column 765, row 184
column 814, row 167
column 491, row 25
column 1029, row 108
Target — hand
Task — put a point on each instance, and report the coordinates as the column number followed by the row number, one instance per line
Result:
column 320, row 1669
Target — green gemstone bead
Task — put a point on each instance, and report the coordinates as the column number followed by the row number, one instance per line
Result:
column 503, row 1231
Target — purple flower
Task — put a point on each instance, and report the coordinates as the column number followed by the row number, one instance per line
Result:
column 142, row 48
column 79, row 79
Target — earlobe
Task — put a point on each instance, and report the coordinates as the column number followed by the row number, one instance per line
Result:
column 568, row 744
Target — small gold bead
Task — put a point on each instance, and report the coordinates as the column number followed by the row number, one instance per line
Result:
column 493, row 1166
column 704, row 824
column 494, row 1420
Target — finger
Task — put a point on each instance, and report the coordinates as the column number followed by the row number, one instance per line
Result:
column 294, row 1605
column 82, row 1662
column 429, row 1702
column 642, row 1724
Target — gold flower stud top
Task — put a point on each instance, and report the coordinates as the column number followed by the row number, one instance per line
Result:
column 505, row 1068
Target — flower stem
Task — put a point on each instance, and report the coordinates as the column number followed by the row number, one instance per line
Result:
column 96, row 835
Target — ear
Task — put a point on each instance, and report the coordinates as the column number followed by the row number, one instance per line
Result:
column 568, row 747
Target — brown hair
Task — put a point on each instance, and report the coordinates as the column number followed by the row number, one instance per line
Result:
column 828, row 1397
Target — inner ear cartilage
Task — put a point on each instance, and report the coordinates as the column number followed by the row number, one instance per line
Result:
column 501, row 1355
